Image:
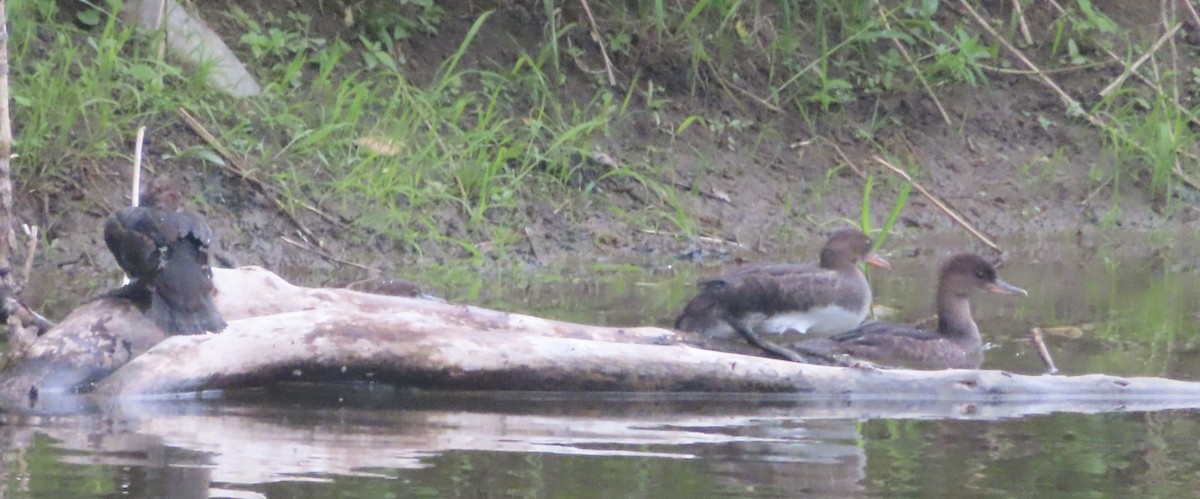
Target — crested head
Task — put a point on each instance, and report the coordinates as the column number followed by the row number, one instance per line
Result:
column 163, row 192
column 965, row 273
column 846, row 248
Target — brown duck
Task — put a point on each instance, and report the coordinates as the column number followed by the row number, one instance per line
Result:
column 821, row 300
column 165, row 253
column 956, row 344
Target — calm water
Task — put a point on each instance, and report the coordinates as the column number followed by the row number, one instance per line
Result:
column 1133, row 311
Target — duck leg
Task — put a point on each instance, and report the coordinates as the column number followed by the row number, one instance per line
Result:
column 768, row 346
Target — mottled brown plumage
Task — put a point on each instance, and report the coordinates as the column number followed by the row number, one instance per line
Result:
column 767, row 299
column 955, row 344
column 165, row 253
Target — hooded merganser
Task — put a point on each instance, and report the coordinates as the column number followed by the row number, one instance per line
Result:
column 955, row 344
column 769, row 299
column 165, row 253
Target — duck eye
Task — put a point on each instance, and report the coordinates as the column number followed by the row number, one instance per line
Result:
column 981, row 275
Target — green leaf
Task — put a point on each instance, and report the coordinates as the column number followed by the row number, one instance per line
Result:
column 89, row 17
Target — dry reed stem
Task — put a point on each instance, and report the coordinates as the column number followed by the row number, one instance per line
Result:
column 1035, row 335
column 1141, row 60
column 908, row 58
column 846, row 159
column 608, row 66
column 326, row 255
column 740, row 90
column 1148, row 83
column 136, row 189
column 1071, row 104
column 1192, row 10
column 1021, row 24
column 941, row 205
column 235, row 165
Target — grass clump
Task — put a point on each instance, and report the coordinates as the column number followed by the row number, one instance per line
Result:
column 339, row 125
column 79, row 94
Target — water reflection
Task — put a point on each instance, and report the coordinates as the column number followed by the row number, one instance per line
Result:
column 358, row 442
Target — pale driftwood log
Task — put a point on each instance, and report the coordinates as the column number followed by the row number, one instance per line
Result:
column 190, row 39
column 255, row 292
column 93, row 341
column 281, row 332
column 410, row 348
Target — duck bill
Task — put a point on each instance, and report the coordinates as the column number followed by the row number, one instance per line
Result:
column 878, row 262
column 1003, row 288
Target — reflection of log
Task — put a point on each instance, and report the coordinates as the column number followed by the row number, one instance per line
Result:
column 254, row 437
column 282, row 332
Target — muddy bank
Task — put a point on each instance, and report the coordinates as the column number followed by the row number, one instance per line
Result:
column 1010, row 161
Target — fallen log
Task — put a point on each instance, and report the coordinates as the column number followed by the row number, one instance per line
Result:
column 279, row 332
column 409, row 349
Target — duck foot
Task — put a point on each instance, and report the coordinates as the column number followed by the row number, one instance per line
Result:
column 771, row 347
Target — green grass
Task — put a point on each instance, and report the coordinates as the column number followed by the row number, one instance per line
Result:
column 450, row 159
column 335, row 127
column 81, row 100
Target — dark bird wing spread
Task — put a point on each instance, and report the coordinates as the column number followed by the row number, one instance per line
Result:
column 166, row 252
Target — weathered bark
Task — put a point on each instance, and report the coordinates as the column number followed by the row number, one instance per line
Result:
column 7, row 235
column 419, row 349
column 90, row 343
column 281, row 332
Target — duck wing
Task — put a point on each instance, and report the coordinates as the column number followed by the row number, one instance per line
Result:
column 136, row 237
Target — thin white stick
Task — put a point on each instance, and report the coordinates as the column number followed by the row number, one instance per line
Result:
column 137, row 178
column 137, row 166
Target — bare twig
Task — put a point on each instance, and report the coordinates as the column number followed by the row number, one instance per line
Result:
column 1073, row 106
column 1035, row 335
column 136, row 189
column 608, row 67
column 917, row 71
column 740, row 90
column 1069, row 101
column 1187, row 4
column 846, row 159
column 941, row 205
column 1149, row 83
column 158, row 28
column 1021, row 22
column 704, row 194
column 708, row 239
column 1141, row 60
column 235, row 165
column 1026, row 72
column 327, row 256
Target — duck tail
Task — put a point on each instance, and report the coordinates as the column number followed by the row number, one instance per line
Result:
column 182, row 301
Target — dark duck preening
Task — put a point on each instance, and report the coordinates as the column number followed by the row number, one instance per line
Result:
column 165, row 252
column 770, row 299
column 956, row 344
